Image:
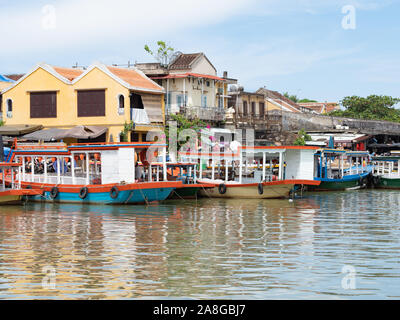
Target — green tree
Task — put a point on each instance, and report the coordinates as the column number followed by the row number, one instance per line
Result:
column 302, row 138
column 162, row 54
column 292, row 97
column 373, row 107
column 306, row 100
column 182, row 124
column 128, row 127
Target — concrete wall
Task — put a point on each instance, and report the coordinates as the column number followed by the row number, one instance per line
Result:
column 311, row 122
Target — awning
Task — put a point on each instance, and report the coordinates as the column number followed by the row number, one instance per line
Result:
column 17, row 130
column 78, row 132
column 85, row 132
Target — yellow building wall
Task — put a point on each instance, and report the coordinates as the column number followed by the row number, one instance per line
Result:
column 270, row 106
column 4, row 85
column 67, row 97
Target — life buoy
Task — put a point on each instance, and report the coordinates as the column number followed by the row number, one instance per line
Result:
column 114, row 192
column 83, row 193
column 222, row 188
column 260, row 188
column 54, row 192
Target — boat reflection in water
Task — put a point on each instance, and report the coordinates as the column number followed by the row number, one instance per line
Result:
column 210, row 248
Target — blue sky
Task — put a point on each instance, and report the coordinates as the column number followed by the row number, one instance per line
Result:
column 297, row 46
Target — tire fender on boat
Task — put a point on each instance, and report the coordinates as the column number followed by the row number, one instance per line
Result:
column 376, row 180
column 83, row 193
column 54, row 192
column 260, row 188
column 363, row 181
column 222, row 188
column 114, row 192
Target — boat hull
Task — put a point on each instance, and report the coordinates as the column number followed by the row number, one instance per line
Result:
column 388, row 183
column 348, row 183
column 14, row 196
column 270, row 190
column 127, row 194
column 10, row 199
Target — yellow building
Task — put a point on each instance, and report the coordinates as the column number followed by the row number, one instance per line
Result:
column 101, row 96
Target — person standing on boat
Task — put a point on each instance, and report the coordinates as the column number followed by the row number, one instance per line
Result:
column 138, row 172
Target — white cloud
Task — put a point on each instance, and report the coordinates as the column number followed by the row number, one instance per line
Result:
column 86, row 22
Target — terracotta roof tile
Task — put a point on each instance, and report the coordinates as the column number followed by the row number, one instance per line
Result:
column 275, row 95
column 14, row 77
column 68, row 73
column 184, row 61
column 134, row 78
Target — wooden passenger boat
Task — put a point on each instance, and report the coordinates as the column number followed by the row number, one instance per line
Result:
column 386, row 174
column 341, row 170
column 257, row 172
column 92, row 173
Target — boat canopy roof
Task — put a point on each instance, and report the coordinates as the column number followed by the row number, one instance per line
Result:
column 63, row 149
column 386, row 158
column 357, row 153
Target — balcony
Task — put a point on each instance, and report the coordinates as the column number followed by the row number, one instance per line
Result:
column 202, row 113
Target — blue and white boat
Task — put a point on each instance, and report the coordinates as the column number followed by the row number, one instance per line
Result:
column 341, row 170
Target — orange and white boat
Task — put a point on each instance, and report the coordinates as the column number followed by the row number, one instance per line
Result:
column 256, row 172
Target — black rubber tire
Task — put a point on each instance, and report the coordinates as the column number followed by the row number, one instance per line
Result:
column 114, row 192
column 376, row 180
column 222, row 188
column 260, row 188
column 54, row 193
column 83, row 193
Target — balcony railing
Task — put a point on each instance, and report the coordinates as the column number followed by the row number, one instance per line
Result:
column 202, row 113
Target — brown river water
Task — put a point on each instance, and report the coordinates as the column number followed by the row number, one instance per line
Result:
column 341, row 245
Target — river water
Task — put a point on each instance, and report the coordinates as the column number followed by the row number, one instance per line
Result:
column 342, row 245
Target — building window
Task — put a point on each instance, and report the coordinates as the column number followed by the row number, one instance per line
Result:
column 245, row 108
column 91, row 103
column 134, row 137
column 137, row 102
column 121, row 104
column 253, row 108
column 181, row 100
column 43, row 105
column 262, row 108
column 9, row 108
column 204, row 101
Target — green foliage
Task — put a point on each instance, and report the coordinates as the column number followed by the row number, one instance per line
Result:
column 306, row 100
column 2, row 123
column 291, row 97
column 128, row 127
column 163, row 52
column 182, row 124
column 302, row 138
column 373, row 107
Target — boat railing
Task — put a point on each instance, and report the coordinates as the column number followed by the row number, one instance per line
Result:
column 62, row 179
